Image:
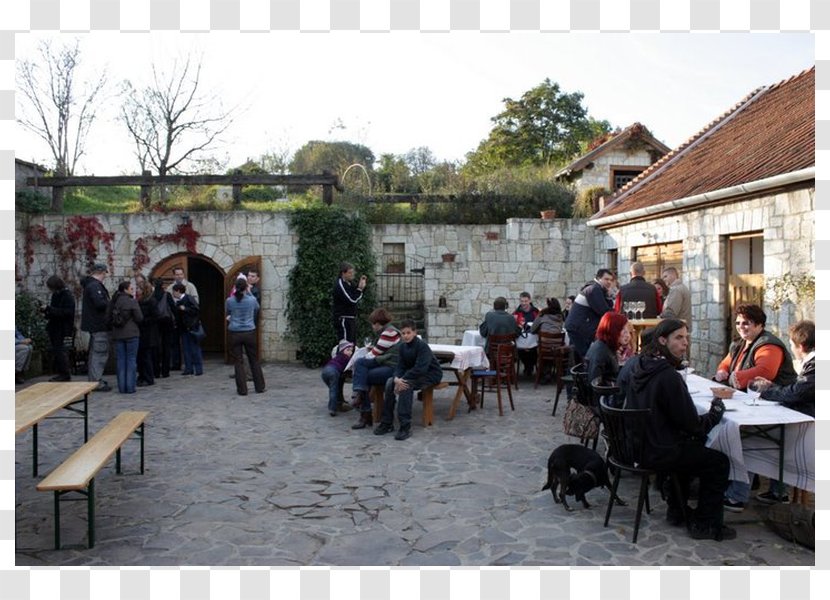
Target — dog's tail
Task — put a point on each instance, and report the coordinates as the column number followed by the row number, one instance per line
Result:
column 547, row 486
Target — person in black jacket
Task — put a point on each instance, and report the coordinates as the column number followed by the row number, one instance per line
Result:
column 60, row 324
column 417, row 368
column 148, row 339
column 187, row 318
column 675, row 433
column 590, row 304
column 96, row 298
column 345, row 297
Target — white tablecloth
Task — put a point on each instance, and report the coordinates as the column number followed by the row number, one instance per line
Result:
column 799, row 436
column 466, row 357
column 524, row 342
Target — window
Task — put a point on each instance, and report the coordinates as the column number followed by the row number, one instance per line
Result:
column 394, row 258
column 657, row 257
column 621, row 176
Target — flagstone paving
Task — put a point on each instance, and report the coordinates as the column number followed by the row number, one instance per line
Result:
column 272, row 479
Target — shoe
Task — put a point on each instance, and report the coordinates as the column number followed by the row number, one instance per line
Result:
column 142, row 384
column 732, row 506
column 187, row 373
column 403, row 433
column 343, row 407
column 332, row 413
column 364, row 422
column 103, row 387
column 719, row 534
column 18, row 379
column 383, row 428
column 60, row 378
column 771, row 497
column 676, row 517
column 232, row 376
column 357, row 398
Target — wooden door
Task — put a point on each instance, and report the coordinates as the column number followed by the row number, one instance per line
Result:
column 242, row 266
column 745, row 263
column 747, row 288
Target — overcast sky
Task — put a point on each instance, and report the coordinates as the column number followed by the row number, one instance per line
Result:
column 397, row 91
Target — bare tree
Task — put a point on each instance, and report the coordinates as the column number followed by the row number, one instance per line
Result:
column 172, row 124
column 56, row 107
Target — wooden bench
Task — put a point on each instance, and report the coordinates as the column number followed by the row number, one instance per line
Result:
column 376, row 396
column 77, row 473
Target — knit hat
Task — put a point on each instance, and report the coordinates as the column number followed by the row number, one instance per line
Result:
column 343, row 344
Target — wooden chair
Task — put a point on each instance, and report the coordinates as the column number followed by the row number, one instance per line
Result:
column 502, row 375
column 551, row 350
column 493, row 342
column 583, row 394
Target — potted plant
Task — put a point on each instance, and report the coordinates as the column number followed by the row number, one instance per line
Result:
column 448, row 257
column 548, row 215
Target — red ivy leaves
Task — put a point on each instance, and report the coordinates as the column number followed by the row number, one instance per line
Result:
column 184, row 233
column 35, row 233
column 84, row 234
column 141, row 254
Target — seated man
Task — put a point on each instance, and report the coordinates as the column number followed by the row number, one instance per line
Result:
column 757, row 354
column 525, row 315
column 799, row 395
column 22, row 355
column 498, row 322
column 377, row 367
column 675, row 432
column 417, row 368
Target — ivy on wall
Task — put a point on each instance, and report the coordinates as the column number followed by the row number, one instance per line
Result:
column 326, row 236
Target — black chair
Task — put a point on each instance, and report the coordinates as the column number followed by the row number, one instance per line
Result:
column 625, row 433
column 583, row 394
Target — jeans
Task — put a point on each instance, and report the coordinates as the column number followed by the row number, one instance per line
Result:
column 239, row 341
column 738, row 491
column 332, row 378
column 192, row 354
column 404, row 401
column 126, row 351
column 367, row 372
column 99, row 351
column 22, row 357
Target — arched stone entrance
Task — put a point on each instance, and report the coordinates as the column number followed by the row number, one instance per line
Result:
column 209, row 279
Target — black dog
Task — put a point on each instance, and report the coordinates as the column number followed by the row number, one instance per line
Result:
column 575, row 470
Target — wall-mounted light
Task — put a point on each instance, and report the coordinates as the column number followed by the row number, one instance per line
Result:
column 185, row 217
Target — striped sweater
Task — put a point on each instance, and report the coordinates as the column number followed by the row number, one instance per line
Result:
column 385, row 349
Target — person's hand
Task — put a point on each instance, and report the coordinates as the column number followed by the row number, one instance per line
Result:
column 362, row 283
column 401, row 385
column 26, row 341
column 761, row 383
column 733, row 380
column 716, row 410
column 721, row 375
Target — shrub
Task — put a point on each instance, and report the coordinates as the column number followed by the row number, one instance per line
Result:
column 29, row 200
column 29, row 318
column 585, row 200
column 327, row 236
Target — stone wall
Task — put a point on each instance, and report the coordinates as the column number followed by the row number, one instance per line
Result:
column 600, row 173
column 545, row 258
column 787, row 222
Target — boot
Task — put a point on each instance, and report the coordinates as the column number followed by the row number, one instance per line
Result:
column 364, row 422
column 357, row 398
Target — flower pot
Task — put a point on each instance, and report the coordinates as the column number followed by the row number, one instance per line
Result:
column 547, row 215
column 448, row 257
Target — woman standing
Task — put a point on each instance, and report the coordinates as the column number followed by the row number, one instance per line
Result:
column 61, row 323
column 148, row 341
column 187, row 319
column 124, row 315
column 242, row 309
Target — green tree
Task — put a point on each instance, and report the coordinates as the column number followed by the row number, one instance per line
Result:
column 318, row 156
column 542, row 128
column 392, row 176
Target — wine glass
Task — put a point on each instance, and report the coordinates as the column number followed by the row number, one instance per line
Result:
column 753, row 390
column 367, row 341
column 626, row 308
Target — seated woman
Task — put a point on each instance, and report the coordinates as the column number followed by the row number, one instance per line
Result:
column 549, row 319
column 601, row 359
column 377, row 367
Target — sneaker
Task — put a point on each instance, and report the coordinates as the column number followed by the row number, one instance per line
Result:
column 383, row 428
column 771, row 497
column 403, row 433
column 732, row 506
column 332, row 413
column 719, row 534
column 102, row 387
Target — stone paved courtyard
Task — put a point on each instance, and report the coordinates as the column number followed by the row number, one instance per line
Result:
column 272, row 479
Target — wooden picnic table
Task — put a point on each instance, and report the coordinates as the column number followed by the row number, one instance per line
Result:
column 42, row 400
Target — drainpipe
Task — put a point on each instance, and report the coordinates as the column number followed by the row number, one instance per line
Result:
column 753, row 187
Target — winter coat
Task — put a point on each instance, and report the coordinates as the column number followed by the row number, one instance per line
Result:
column 129, row 309
column 96, row 298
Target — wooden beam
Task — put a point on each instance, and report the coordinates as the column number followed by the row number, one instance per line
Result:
column 139, row 180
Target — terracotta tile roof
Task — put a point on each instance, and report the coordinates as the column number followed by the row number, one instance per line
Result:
column 769, row 132
column 634, row 130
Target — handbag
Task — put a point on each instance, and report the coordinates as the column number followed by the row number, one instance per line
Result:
column 198, row 331
column 580, row 421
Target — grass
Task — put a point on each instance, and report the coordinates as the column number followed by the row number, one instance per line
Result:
column 89, row 200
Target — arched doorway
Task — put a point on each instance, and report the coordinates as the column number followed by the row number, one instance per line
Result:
column 209, row 279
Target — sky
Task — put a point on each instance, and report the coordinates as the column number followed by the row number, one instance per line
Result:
column 396, row 91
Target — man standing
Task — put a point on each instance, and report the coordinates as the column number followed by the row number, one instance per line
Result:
column 253, row 287
column 678, row 304
column 176, row 337
column 675, row 433
column 345, row 297
column 638, row 289
column 93, row 310
column 190, row 289
column 590, row 304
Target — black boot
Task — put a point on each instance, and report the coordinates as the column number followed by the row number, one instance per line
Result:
column 364, row 422
column 403, row 432
column 383, row 428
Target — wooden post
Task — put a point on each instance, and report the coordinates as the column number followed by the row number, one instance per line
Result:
column 57, row 198
column 328, row 193
column 237, row 189
column 146, row 191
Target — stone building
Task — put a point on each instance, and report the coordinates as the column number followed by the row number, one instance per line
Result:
column 615, row 159
column 732, row 209
column 23, row 170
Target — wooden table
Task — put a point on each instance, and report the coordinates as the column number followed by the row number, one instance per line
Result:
column 461, row 360
column 41, row 400
column 641, row 325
